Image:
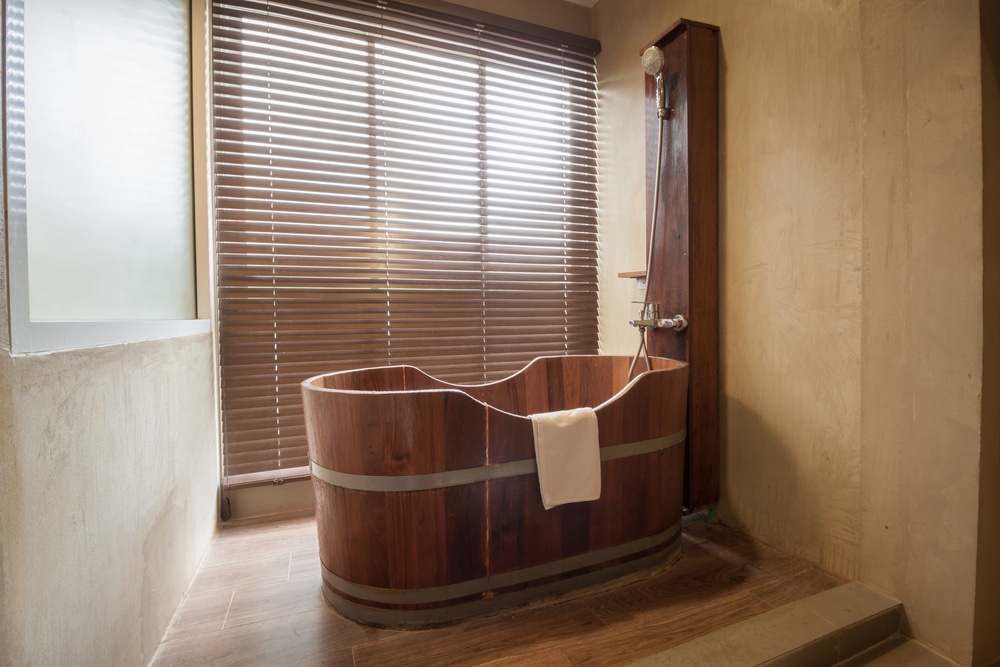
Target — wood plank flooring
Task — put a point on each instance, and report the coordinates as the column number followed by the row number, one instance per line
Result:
column 256, row 601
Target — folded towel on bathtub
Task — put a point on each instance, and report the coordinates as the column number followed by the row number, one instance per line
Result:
column 568, row 455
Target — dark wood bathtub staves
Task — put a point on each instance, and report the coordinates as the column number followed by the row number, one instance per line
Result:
column 427, row 500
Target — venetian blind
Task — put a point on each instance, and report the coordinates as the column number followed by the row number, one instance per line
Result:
column 393, row 185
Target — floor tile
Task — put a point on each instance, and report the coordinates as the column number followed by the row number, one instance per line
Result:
column 257, row 600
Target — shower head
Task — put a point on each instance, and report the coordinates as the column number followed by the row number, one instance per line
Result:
column 652, row 61
column 652, row 64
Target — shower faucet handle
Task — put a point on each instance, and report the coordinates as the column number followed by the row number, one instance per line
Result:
column 649, row 315
column 677, row 323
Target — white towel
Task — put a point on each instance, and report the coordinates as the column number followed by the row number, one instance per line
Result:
column 568, row 455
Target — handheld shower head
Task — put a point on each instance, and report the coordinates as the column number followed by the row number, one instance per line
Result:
column 652, row 61
column 652, row 64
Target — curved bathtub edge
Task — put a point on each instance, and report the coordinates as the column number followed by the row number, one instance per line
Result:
column 310, row 383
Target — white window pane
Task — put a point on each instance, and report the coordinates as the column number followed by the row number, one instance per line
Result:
column 107, row 134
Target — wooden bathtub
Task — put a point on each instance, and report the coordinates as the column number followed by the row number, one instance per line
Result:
column 427, row 499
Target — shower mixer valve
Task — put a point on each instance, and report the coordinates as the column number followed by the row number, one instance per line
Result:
column 649, row 317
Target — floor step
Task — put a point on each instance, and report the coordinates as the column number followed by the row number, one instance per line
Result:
column 819, row 631
column 898, row 652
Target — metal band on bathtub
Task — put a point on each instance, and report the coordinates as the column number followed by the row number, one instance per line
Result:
column 438, row 480
column 497, row 581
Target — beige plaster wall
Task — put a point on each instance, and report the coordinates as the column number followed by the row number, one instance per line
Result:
column 986, row 639
column 790, row 229
column 923, row 260
column 851, row 199
column 108, row 495
column 7, row 457
column 109, row 476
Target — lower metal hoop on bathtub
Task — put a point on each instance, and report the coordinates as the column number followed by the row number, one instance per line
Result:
column 401, row 608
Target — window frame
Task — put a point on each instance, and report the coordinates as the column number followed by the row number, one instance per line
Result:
column 28, row 336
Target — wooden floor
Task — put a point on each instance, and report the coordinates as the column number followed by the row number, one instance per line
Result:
column 256, row 601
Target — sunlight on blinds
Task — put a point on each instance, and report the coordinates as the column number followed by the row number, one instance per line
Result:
column 393, row 186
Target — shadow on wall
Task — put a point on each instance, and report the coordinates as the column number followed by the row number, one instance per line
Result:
column 791, row 480
column 758, row 471
column 722, row 171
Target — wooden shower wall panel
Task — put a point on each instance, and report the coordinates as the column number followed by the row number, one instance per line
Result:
column 685, row 274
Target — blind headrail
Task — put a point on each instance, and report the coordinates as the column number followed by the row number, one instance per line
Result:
column 454, row 14
column 587, row 45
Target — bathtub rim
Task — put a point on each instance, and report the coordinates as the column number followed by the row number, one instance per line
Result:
column 309, row 383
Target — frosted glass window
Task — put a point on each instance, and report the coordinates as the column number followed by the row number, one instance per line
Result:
column 110, row 233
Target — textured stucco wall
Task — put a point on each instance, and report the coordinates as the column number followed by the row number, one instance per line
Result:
column 108, row 488
column 7, row 457
column 922, row 339
column 790, row 229
column 851, row 194
column 108, row 471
